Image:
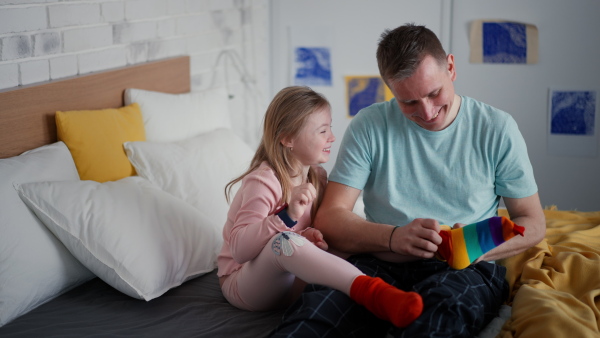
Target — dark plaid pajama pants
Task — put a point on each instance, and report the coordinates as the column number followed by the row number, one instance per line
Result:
column 457, row 303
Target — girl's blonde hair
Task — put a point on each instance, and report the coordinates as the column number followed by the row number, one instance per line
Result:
column 283, row 120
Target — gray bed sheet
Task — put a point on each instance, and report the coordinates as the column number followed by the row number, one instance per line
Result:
column 196, row 308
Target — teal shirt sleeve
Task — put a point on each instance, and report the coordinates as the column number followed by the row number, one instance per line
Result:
column 514, row 173
column 353, row 164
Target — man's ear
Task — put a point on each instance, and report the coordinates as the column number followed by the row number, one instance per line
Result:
column 451, row 66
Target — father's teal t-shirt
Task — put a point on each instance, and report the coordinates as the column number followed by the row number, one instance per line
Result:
column 456, row 175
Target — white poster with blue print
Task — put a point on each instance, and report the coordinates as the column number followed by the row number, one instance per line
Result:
column 311, row 56
column 572, row 122
column 503, row 42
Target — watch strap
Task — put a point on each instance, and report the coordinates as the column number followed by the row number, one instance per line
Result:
column 283, row 215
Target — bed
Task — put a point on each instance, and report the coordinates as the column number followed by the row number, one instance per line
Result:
column 132, row 253
column 37, row 301
column 555, row 285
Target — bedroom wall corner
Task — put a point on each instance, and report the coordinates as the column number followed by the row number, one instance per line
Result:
column 354, row 27
column 569, row 48
column 226, row 41
column 568, row 54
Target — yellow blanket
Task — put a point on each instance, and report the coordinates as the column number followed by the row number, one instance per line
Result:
column 555, row 285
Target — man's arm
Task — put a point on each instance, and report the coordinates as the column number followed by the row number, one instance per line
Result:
column 347, row 232
column 526, row 212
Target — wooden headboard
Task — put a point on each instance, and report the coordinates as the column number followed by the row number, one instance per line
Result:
column 27, row 113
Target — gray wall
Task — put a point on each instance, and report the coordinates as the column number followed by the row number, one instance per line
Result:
column 569, row 50
column 356, row 26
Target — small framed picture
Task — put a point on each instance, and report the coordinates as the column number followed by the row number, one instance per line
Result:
column 572, row 122
column 312, row 66
column 362, row 91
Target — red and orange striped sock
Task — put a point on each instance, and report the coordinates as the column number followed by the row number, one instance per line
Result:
column 385, row 301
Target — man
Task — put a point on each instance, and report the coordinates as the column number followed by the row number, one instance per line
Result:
column 425, row 158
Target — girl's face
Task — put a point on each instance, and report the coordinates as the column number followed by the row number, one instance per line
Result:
column 312, row 145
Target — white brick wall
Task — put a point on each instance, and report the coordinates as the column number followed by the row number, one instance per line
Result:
column 135, row 32
column 22, row 19
column 63, row 66
column 46, row 43
column 87, row 38
column 145, row 9
column 43, row 40
column 16, row 47
column 73, row 14
column 34, row 71
column 9, row 75
column 104, row 59
column 177, row 7
column 112, row 11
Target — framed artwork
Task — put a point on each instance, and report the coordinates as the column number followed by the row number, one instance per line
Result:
column 503, row 42
column 362, row 91
column 572, row 122
column 312, row 66
column 311, row 56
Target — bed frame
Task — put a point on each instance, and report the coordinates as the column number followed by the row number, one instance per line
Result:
column 27, row 113
column 197, row 307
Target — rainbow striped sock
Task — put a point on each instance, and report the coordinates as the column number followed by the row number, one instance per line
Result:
column 461, row 247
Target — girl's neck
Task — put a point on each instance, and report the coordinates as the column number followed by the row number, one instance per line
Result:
column 302, row 178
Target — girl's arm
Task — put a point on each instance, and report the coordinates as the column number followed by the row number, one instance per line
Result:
column 254, row 224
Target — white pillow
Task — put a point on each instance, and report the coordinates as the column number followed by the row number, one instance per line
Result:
column 195, row 170
column 174, row 117
column 138, row 239
column 34, row 265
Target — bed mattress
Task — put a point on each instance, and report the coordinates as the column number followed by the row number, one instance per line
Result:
column 195, row 309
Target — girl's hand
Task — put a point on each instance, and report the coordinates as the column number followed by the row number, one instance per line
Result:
column 316, row 237
column 301, row 198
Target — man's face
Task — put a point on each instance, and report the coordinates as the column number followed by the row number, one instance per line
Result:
column 427, row 96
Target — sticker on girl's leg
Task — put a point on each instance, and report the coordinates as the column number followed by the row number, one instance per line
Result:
column 281, row 243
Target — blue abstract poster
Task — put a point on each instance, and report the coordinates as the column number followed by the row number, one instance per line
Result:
column 572, row 122
column 363, row 91
column 504, row 42
column 573, row 112
column 313, row 66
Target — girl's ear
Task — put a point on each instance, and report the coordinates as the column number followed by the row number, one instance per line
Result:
column 286, row 142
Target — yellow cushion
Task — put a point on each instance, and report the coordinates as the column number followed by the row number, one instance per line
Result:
column 95, row 139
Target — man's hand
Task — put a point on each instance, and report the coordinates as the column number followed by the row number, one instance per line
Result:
column 419, row 238
column 458, row 225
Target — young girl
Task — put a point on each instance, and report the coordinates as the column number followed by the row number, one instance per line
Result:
column 269, row 245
